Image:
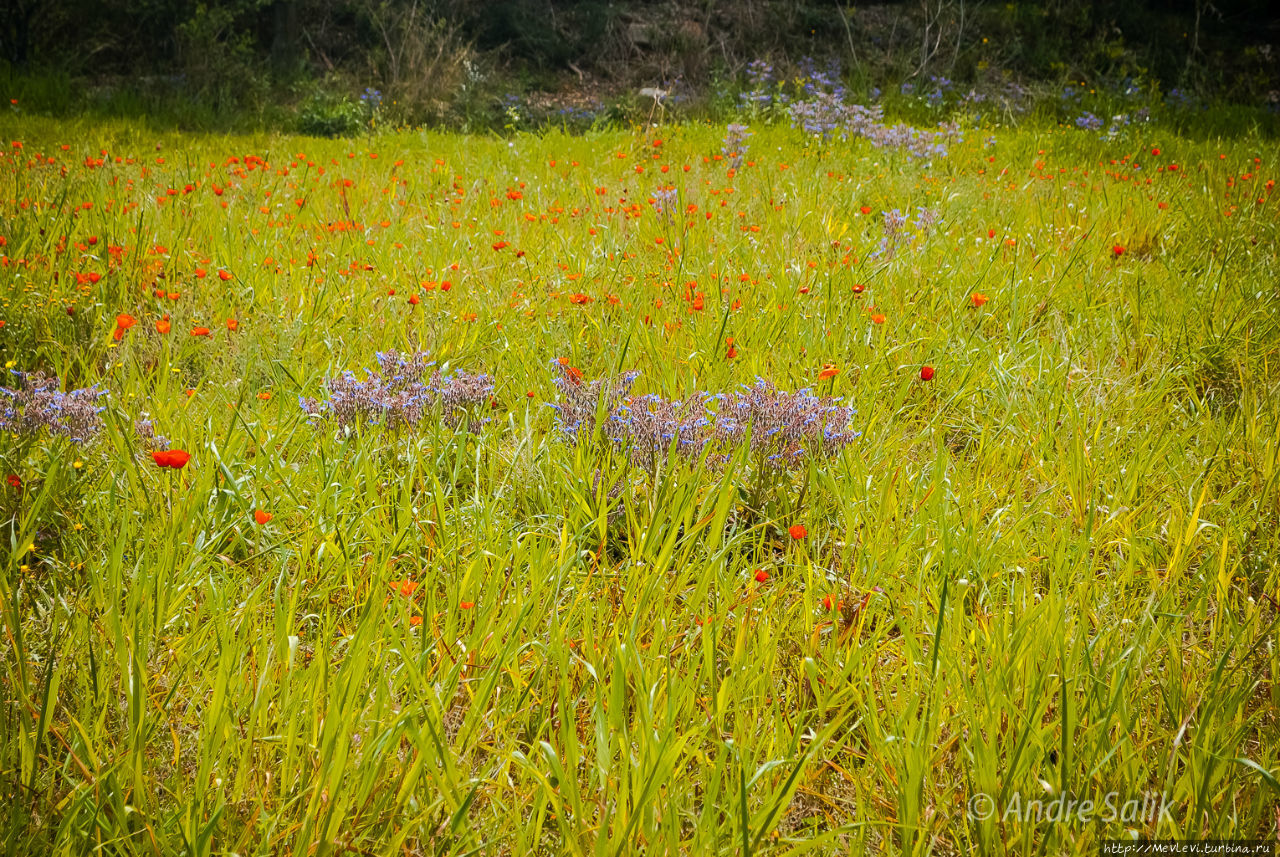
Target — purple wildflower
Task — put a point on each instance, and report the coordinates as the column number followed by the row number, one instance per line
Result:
column 401, row 394
column 38, row 404
column 785, row 429
column 734, row 146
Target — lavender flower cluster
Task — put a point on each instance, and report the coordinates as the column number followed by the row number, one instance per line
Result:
column 1086, row 121
column 1089, row 122
column 734, row 146
column 401, row 393
column 768, row 90
column 649, row 425
column 583, row 402
column 916, row 142
column 826, row 113
column 38, row 404
column 146, row 432
column 898, row 227
column 825, row 79
column 783, row 427
column 821, row 115
column 547, row 112
column 763, row 87
column 941, row 87
column 664, row 202
column 819, row 104
column 823, row 109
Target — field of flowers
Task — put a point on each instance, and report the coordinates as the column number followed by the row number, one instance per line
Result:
column 681, row 489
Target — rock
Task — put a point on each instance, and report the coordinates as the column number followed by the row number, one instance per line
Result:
column 639, row 34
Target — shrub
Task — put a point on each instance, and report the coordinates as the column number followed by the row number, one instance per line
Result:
column 325, row 114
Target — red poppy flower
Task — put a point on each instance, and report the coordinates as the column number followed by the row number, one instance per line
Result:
column 466, row 605
column 1117, row 251
column 200, row 331
column 13, row 480
column 404, row 587
column 926, row 373
column 224, row 275
column 978, row 299
column 261, row 517
column 877, row 318
column 761, row 575
column 163, row 326
column 828, row 371
column 233, row 325
column 829, row 603
column 174, row 458
column 797, row 531
column 124, row 321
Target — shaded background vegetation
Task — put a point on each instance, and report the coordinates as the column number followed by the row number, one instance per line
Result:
column 451, row 61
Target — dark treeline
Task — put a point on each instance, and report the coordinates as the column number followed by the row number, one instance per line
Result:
column 423, row 56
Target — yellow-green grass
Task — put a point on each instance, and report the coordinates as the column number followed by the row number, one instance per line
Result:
column 1055, row 562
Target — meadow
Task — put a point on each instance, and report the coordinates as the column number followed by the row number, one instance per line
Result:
column 776, row 494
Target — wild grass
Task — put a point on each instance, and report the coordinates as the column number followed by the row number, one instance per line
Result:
column 1048, row 571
